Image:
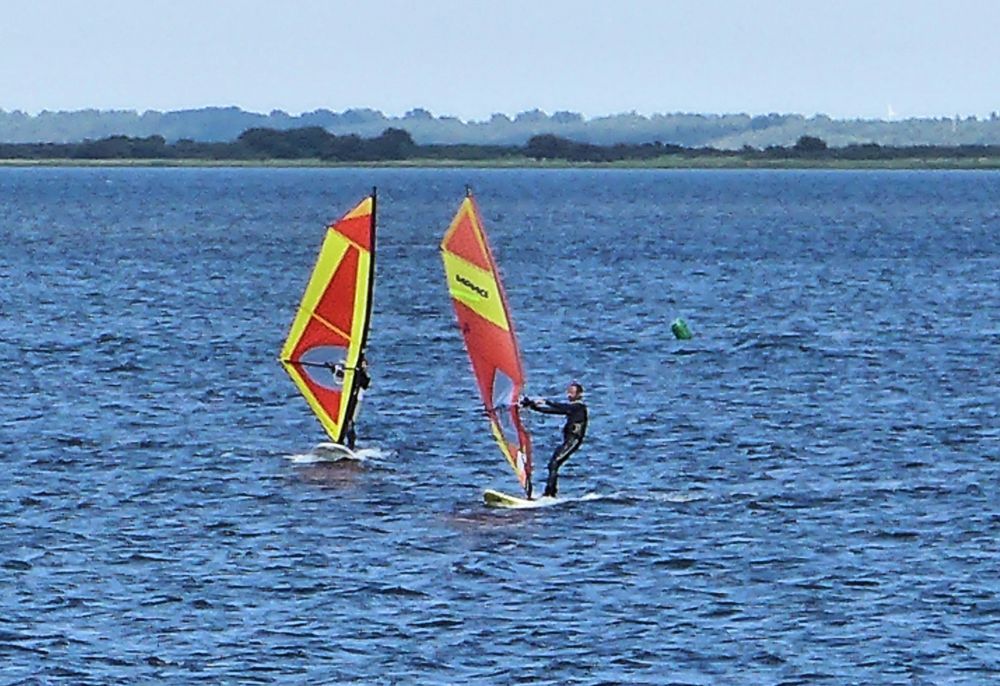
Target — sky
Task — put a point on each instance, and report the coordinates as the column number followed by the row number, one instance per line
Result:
column 872, row 59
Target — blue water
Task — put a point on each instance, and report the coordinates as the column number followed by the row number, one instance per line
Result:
column 806, row 492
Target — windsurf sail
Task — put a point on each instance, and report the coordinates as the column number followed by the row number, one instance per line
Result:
column 484, row 318
column 330, row 329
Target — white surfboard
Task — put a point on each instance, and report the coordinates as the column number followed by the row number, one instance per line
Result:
column 498, row 499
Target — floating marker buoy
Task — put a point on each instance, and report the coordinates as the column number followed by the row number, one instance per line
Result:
column 680, row 329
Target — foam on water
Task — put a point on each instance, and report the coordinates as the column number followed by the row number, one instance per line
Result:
column 332, row 452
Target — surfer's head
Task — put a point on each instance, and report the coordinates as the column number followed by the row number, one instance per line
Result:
column 574, row 391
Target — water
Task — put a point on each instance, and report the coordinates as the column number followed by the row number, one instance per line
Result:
column 803, row 493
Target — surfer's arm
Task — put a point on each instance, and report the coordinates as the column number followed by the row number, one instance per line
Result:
column 546, row 406
column 553, row 407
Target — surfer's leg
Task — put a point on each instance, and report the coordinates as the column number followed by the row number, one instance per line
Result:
column 350, row 436
column 559, row 457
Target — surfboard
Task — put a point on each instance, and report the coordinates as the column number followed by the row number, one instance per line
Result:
column 497, row 499
column 335, row 451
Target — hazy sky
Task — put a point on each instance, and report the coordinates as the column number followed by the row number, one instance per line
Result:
column 469, row 59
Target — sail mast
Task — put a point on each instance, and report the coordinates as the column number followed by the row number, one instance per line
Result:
column 352, row 398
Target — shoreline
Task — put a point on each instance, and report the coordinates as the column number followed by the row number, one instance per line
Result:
column 665, row 162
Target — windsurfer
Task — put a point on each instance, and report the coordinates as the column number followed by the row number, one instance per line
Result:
column 362, row 382
column 573, row 431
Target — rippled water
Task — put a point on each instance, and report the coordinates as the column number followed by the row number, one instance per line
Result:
column 803, row 493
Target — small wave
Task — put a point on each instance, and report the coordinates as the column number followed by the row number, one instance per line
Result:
column 896, row 535
column 676, row 563
column 75, row 441
column 677, row 497
column 781, row 340
column 161, row 600
column 15, row 565
column 373, row 453
column 54, row 347
column 125, row 368
column 401, row 591
column 143, row 558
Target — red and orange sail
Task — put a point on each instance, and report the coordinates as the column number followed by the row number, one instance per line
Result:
column 330, row 328
column 484, row 318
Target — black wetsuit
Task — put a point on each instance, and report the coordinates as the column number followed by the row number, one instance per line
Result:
column 363, row 381
column 573, row 433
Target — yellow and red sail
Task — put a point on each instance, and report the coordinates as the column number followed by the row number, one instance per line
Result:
column 330, row 329
column 484, row 319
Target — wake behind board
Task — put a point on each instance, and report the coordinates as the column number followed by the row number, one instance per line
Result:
column 498, row 499
column 336, row 454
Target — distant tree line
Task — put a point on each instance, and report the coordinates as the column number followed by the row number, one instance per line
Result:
column 253, row 144
column 721, row 131
column 807, row 147
column 315, row 143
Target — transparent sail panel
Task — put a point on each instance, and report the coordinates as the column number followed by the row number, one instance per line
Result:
column 503, row 390
column 324, row 365
column 503, row 401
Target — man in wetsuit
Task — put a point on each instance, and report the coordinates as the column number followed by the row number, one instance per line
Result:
column 362, row 381
column 573, row 430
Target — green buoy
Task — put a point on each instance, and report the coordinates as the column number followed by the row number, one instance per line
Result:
column 680, row 329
